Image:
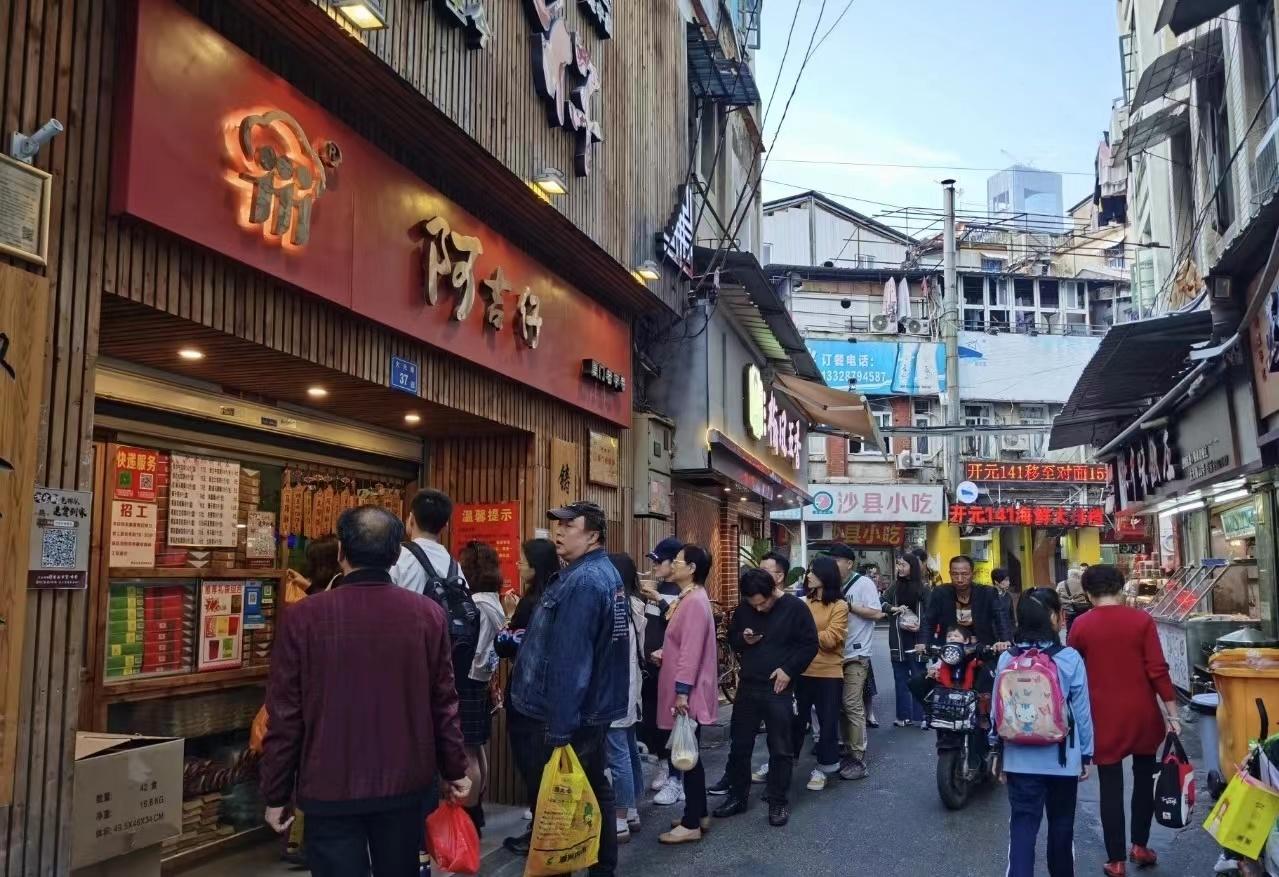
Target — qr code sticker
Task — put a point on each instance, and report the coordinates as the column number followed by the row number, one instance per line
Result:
column 146, row 481
column 57, row 549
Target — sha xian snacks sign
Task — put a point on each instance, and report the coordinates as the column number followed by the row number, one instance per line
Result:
column 213, row 147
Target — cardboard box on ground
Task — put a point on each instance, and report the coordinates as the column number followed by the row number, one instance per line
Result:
column 128, row 798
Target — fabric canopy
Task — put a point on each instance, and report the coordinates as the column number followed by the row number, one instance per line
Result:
column 839, row 410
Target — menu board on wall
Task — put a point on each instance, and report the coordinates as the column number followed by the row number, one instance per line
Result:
column 221, row 625
column 133, row 534
column 204, row 497
column 498, row 524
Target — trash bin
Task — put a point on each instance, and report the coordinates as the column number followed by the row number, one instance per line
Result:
column 1244, row 676
column 1205, row 706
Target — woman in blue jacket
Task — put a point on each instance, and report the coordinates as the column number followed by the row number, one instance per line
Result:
column 1038, row 777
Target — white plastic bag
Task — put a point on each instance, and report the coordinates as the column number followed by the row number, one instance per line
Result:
column 683, row 743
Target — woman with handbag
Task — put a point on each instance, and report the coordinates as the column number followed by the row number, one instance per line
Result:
column 1133, row 706
column 624, row 763
column 688, row 682
column 821, row 687
column 906, row 599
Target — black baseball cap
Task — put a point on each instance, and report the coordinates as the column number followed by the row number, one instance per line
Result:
column 575, row 510
column 839, row 549
column 666, row 550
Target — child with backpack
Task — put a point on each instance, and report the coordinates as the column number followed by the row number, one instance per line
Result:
column 1042, row 719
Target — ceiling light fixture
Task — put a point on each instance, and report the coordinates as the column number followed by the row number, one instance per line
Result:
column 191, row 354
column 364, row 14
column 550, row 182
column 316, row 392
column 412, row 418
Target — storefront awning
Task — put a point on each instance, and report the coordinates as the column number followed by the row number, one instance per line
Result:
column 1191, row 60
column 1135, row 364
column 714, row 76
column 1183, row 15
column 1150, row 130
column 837, row 410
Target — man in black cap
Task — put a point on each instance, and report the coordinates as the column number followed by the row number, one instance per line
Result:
column 574, row 667
column 660, row 596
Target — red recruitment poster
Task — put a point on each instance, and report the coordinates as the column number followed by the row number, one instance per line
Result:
column 134, row 476
column 498, row 524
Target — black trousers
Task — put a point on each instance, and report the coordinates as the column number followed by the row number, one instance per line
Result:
column 1110, row 777
column 695, row 806
column 345, row 846
column 649, row 734
column 589, row 744
column 827, row 696
column 528, row 749
column 755, row 704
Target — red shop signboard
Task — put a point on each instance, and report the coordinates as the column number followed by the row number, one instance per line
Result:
column 1015, row 515
column 212, row 146
column 1056, row 473
column 886, row 535
column 498, row 524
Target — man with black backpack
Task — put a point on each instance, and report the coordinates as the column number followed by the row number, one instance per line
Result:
column 425, row 567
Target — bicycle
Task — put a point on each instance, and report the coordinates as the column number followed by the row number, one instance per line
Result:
column 728, row 669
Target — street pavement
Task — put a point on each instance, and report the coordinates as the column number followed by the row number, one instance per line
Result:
column 891, row 823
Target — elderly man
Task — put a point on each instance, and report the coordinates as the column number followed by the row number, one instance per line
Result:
column 574, row 667
column 363, row 712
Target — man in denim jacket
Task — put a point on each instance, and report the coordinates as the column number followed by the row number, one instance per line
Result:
column 573, row 667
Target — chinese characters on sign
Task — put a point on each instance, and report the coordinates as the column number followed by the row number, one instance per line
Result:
column 784, row 437
column 892, row 503
column 1059, row 473
column 893, row 535
column 600, row 12
column 676, row 242
column 472, row 18
column 60, row 540
column 498, row 524
column 755, row 402
column 604, row 460
column 565, row 76
column 133, row 534
column 204, row 497
column 25, row 196
column 446, row 253
column 1027, row 516
column 602, row 374
column 135, row 474
column 1145, row 464
column 285, row 175
column 221, row 636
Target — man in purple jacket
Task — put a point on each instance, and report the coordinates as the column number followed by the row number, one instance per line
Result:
column 363, row 713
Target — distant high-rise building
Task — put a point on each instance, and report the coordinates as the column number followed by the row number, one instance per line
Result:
column 1028, row 197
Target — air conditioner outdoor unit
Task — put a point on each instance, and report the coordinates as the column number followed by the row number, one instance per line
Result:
column 909, row 460
column 884, row 324
column 1015, row 443
column 914, row 326
column 1265, row 166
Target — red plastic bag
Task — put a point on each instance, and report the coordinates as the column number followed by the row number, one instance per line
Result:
column 452, row 840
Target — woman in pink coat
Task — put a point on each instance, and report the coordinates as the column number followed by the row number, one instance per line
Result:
column 688, row 682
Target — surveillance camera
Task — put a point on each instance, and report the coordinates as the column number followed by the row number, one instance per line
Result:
column 845, row 303
column 25, row 148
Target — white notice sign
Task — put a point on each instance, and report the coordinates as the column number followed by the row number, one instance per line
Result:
column 24, row 210
column 204, row 497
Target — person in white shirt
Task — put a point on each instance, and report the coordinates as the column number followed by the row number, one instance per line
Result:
column 863, row 611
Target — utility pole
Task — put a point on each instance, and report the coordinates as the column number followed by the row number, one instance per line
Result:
column 950, row 331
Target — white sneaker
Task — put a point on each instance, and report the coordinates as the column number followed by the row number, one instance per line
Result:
column 623, row 831
column 760, row 775
column 633, row 819
column 671, row 793
column 663, row 774
column 528, row 814
column 816, row 781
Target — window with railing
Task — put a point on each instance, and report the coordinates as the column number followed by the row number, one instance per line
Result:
column 1215, row 112
column 1127, row 62
column 1115, row 257
column 976, row 445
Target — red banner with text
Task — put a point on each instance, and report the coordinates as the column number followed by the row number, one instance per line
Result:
column 498, row 524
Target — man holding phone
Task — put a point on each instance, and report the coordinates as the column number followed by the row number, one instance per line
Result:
column 775, row 638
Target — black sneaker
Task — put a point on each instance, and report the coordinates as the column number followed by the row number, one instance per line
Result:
column 519, row 845
column 778, row 815
column 720, row 789
column 731, row 807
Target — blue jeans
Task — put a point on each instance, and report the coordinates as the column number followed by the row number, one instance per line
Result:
column 1029, row 795
column 625, row 766
column 909, row 709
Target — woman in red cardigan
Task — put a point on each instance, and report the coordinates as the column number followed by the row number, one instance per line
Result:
column 1133, row 707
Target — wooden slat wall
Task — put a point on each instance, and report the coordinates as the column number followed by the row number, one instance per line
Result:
column 53, row 63
column 642, row 106
column 58, row 60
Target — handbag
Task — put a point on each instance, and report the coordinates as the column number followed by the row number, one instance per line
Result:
column 1175, row 787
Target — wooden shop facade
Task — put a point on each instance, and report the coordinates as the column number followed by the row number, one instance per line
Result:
column 298, row 260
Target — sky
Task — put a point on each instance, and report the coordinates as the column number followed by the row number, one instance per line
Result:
column 963, row 83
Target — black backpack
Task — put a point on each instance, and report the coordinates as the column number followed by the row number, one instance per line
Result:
column 451, row 592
